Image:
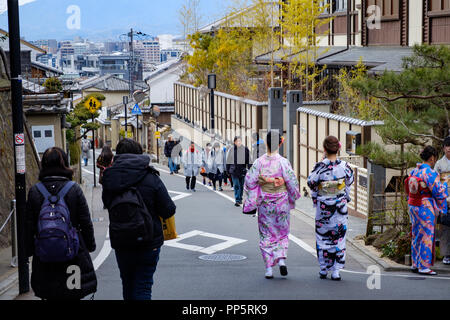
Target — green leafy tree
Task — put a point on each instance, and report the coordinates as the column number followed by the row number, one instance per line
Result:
column 53, row 85
column 78, row 119
column 414, row 105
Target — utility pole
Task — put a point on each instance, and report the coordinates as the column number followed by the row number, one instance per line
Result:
column 93, row 153
column 125, row 102
column 19, row 141
column 131, row 64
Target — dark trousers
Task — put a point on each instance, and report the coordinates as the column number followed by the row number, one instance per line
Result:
column 136, row 271
column 238, row 183
column 216, row 177
column 192, row 181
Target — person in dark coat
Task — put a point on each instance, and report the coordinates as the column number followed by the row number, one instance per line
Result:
column 49, row 280
column 238, row 162
column 168, row 148
column 131, row 169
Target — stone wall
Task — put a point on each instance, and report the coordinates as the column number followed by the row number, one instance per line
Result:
column 7, row 176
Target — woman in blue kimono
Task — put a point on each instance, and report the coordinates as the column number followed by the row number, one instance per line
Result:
column 330, row 183
column 427, row 199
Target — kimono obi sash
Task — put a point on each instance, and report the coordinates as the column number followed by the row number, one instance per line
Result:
column 270, row 185
column 332, row 188
column 417, row 190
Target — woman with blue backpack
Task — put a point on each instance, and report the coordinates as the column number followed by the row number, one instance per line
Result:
column 60, row 233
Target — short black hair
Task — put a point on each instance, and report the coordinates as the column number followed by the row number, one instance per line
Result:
column 428, row 152
column 129, row 146
column 447, row 142
column 237, row 138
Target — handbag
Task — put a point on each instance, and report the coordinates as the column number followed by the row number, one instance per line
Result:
column 169, row 229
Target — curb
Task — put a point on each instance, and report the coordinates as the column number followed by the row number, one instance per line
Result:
column 8, row 283
column 379, row 261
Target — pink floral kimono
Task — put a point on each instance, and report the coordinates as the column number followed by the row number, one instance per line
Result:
column 273, row 204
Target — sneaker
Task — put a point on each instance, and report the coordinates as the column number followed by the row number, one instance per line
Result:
column 193, row 190
column 427, row 272
column 283, row 271
column 414, row 269
column 336, row 276
column 171, row 173
column 269, row 273
column 187, row 188
column 214, row 189
column 220, row 189
column 323, row 275
column 237, row 204
column 446, row 261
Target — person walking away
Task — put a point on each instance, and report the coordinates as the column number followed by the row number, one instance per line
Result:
column 85, row 148
column 57, row 203
column 427, row 199
column 330, row 183
column 443, row 168
column 216, row 166
column 271, row 188
column 104, row 161
column 192, row 161
column 258, row 148
column 168, row 148
column 136, row 199
column 206, row 155
column 238, row 162
column 177, row 153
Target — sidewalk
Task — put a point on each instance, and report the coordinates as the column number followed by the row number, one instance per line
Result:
column 357, row 228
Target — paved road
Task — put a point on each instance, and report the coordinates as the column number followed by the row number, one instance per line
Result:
column 208, row 223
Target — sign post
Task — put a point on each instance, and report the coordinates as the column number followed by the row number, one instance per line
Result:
column 137, row 112
column 125, row 102
column 92, row 104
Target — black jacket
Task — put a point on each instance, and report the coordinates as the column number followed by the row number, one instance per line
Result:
column 238, row 161
column 130, row 170
column 168, row 147
column 49, row 280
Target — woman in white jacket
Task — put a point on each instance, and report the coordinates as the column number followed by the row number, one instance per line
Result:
column 216, row 166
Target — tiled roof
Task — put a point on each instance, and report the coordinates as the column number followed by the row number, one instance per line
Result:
column 110, row 83
column 337, row 117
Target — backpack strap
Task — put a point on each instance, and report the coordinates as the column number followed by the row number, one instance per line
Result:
column 65, row 190
column 43, row 190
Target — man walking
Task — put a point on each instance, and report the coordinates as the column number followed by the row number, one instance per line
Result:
column 136, row 199
column 238, row 162
column 192, row 161
column 443, row 167
column 168, row 148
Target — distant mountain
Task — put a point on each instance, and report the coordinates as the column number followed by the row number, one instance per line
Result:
column 103, row 19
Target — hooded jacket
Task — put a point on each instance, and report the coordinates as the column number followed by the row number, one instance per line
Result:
column 131, row 170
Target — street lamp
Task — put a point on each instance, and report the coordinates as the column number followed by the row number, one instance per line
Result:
column 212, row 85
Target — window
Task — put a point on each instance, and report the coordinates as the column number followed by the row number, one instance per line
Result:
column 37, row 134
column 48, row 134
column 440, row 5
column 339, row 5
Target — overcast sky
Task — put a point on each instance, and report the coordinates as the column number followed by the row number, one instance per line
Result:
column 103, row 19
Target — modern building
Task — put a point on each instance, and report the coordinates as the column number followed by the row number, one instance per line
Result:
column 149, row 51
column 115, row 64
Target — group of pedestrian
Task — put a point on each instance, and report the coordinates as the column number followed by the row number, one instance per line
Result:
column 60, row 232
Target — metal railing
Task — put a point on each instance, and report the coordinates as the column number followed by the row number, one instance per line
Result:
column 13, row 218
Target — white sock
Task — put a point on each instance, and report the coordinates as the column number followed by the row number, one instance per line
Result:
column 269, row 272
column 282, row 262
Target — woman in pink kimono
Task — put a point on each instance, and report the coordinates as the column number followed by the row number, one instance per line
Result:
column 271, row 188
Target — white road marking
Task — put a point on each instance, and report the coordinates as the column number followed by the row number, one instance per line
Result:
column 303, row 245
column 228, row 242
column 106, row 249
column 180, row 195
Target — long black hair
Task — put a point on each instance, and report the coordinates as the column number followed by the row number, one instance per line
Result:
column 55, row 163
column 107, row 155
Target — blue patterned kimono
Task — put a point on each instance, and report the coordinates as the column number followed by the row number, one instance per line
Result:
column 423, row 218
column 332, row 213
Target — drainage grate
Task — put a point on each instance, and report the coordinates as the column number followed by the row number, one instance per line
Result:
column 222, row 257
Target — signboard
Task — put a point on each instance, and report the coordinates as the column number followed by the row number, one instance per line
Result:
column 136, row 111
column 92, row 104
column 158, row 135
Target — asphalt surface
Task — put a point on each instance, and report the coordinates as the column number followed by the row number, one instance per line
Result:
column 208, row 222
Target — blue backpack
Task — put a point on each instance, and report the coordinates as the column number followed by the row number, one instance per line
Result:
column 57, row 240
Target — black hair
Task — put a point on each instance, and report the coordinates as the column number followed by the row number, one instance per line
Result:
column 55, row 163
column 236, row 139
column 272, row 138
column 129, row 146
column 447, row 142
column 107, row 154
column 428, row 152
